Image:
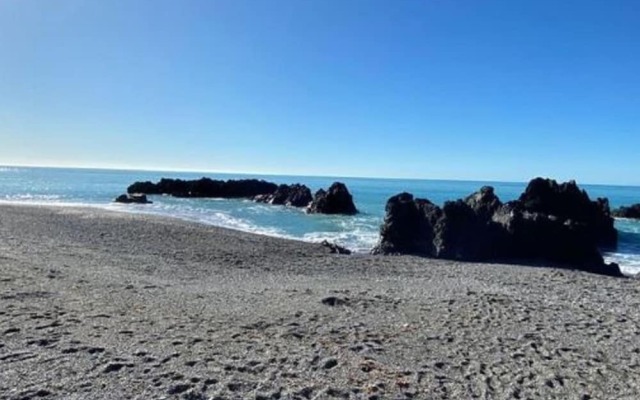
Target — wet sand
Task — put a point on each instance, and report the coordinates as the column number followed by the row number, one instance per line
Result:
column 103, row 305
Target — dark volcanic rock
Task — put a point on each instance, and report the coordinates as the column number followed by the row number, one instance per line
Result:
column 567, row 201
column 484, row 202
column 409, row 226
column 334, row 248
column 334, row 301
column 632, row 211
column 205, row 187
column 336, row 200
column 144, row 187
column 481, row 228
column 537, row 237
column 135, row 198
column 461, row 234
column 289, row 195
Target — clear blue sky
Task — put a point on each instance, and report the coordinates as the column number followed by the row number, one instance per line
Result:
column 451, row 89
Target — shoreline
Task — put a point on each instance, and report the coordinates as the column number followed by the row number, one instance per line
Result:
column 98, row 304
column 629, row 272
column 113, row 207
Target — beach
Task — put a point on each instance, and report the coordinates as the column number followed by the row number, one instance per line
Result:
column 106, row 305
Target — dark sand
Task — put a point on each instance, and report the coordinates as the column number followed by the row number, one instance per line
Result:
column 100, row 305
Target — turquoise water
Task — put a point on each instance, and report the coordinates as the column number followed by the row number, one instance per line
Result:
column 96, row 188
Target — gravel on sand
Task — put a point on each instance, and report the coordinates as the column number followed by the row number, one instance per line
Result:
column 103, row 305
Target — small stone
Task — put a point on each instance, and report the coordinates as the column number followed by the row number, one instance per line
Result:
column 333, row 301
column 329, row 363
column 179, row 388
column 113, row 367
column 210, row 381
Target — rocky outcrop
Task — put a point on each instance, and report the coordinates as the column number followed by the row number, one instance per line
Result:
column 288, row 195
column 336, row 200
column 205, row 187
column 567, row 201
column 409, row 226
column 135, row 198
column 632, row 212
column 550, row 223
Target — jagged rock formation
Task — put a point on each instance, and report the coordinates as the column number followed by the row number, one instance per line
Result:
column 550, row 223
column 567, row 201
column 336, row 200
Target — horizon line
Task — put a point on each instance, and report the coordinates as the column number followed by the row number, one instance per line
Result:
column 193, row 171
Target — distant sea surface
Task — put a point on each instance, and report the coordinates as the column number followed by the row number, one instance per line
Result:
column 97, row 188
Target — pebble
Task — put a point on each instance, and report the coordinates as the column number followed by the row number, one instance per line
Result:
column 329, row 363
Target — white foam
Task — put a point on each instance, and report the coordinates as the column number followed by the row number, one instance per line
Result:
column 359, row 242
column 33, row 197
column 629, row 263
column 47, row 203
column 9, row 169
column 203, row 216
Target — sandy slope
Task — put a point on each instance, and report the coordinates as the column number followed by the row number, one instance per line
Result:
column 102, row 305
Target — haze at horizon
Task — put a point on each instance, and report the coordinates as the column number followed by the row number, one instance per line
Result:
column 437, row 90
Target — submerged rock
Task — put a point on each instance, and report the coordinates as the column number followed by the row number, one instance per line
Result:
column 134, row 198
column 550, row 223
column 632, row 211
column 336, row 200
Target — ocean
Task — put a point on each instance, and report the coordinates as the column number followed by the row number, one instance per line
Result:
column 97, row 188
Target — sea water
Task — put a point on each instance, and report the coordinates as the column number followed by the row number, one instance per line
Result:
column 98, row 188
